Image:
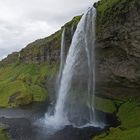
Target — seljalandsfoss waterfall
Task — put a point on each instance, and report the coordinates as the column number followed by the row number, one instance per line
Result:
column 80, row 81
column 76, row 78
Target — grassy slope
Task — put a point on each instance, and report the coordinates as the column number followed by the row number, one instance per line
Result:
column 104, row 105
column 3, row 136
column 129, row 115
column 21, row 84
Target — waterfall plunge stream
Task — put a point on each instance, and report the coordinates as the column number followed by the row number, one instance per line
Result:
column 75, row 100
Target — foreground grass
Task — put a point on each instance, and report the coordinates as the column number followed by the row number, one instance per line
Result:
column 104, row 105
column 3, row 136
column 129, row 116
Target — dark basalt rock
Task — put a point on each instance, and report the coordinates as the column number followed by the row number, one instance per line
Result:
column 118, row 49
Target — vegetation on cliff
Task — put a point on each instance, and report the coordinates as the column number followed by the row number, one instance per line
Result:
column 25, row 75
column 117, row 49
column 3, row 135
column 20, row 84
column 113, row 12
column 118, row 67
column 128, row 114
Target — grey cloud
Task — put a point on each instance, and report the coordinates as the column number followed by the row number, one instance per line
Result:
column 23, row 21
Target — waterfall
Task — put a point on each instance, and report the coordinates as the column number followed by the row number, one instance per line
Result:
column 62, row 55
column 75, row 101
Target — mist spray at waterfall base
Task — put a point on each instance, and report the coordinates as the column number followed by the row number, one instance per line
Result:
column 75, row 97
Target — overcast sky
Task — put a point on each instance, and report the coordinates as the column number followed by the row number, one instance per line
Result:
column 23, row 21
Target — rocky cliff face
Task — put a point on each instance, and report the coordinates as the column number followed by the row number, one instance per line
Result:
column 26, row 76
column 118, row 66
column 48, row 49
column 118, row 48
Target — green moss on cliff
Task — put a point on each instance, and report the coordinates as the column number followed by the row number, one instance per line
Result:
column 129, row 116
column 38, row 47
column 105, row 5
column 73, row 22
column 10, row 59
column 24, row 83
column 111, row 13
column 46, row 49
column 24, row 74
column 104, row 105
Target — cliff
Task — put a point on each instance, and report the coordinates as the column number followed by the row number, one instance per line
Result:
column 118, row 66
column 27, row 76
column 46, row 49
column 118, row 48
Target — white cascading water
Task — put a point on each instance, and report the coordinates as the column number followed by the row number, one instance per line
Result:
column 50, row 120
column 79, row 63
column 62, row 55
